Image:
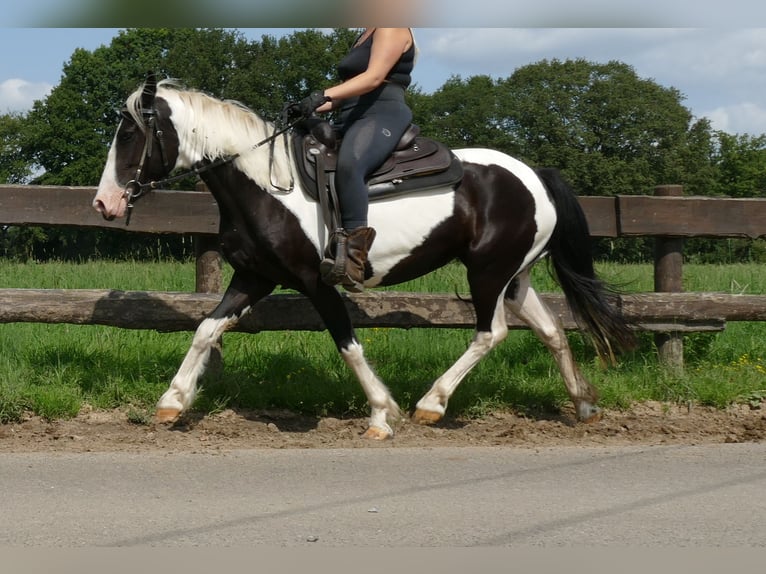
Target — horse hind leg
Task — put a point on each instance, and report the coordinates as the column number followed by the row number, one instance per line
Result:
column 530, row 308
column 383, row 407
column 433, row 405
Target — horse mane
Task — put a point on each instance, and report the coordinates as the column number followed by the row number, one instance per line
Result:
column 212, row 128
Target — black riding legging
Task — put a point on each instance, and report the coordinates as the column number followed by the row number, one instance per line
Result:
column 370, row 131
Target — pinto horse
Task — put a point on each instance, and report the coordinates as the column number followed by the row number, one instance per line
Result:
column 498, row 220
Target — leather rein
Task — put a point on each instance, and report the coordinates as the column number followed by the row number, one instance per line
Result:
column 134, row 189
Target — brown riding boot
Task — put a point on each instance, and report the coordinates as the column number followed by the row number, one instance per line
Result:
column 347, row 254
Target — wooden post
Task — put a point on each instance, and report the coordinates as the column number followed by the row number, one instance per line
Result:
column 668, row 278
column 208, row 280
column 208, row 257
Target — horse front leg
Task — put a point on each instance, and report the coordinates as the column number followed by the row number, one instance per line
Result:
column 236, row 301
column 383, row 407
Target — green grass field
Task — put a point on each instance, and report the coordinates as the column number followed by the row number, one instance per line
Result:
column 54, row 370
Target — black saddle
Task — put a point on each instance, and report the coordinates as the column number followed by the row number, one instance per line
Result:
column 417, row 164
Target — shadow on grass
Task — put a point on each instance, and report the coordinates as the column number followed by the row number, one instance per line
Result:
column 293, row 390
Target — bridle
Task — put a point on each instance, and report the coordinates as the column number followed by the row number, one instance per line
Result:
column 134, row 189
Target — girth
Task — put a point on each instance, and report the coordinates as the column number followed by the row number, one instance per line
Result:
column 417, row 164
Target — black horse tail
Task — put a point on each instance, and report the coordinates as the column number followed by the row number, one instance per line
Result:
column 595, row 304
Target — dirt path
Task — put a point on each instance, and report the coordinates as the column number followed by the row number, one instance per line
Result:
column 647, row 423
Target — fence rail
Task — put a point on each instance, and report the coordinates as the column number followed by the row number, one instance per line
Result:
column 195, row 212
column 168, row 311
column 667, row 216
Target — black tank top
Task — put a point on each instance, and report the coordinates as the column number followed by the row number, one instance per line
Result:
column 358, row 58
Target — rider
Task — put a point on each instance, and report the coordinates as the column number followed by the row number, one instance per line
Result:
column 373, row 117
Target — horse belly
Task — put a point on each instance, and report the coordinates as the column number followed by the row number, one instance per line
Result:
column 403, row 224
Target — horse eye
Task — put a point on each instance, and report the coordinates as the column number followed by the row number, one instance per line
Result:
column 125, row 135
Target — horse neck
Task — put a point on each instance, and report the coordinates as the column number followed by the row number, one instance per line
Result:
column 211, row 129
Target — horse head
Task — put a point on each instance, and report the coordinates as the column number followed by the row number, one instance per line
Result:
column 144, row 149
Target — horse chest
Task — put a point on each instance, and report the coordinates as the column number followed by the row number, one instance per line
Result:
column 239, row 249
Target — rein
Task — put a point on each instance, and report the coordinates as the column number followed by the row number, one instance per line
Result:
column 134, row 189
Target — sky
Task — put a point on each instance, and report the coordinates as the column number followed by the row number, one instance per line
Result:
column 719, row 70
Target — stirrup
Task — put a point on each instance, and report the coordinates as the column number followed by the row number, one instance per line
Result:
column 333, row 274
column 333, row 269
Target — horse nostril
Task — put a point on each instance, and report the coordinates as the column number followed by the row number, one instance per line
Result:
column 101, row 208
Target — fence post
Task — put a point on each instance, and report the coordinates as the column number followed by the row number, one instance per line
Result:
column 208, row 280
column 668, row 278
column 208, row 258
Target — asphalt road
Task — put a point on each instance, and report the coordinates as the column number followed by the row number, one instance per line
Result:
column 660, row 496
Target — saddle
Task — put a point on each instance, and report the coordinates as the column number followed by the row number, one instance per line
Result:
column 417, row 164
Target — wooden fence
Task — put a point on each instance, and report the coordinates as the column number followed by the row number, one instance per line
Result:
column 667, row 216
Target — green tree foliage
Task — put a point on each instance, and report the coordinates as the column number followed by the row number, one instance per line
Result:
column 68, row 133
column 289, row 68
column 741, row 164
column 609, row 131
column 466, row 113
column 14, row 167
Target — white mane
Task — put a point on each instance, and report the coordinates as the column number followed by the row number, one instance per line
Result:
column 209, row 128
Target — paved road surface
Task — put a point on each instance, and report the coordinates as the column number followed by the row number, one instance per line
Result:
column 670, row 496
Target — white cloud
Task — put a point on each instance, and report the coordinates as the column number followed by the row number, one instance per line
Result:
column 18, row 95
column 746, row 117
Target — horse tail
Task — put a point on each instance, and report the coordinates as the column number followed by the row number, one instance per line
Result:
column 595, row 304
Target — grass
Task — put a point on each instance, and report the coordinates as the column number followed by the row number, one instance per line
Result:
column 54, row 370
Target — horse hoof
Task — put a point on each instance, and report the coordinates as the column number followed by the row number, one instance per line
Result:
column 375, row 433
column 423, row 417
column 592, row 419
column 166, row 416
column 588, row 413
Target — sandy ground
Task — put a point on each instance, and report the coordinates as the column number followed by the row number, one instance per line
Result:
column 646, row 423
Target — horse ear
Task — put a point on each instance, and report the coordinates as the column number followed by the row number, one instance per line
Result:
column 149, row 91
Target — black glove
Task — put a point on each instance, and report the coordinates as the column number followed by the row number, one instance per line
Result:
column 290, row 113
column 310, row 103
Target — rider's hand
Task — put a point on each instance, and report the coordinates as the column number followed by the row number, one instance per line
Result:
column 310, row 103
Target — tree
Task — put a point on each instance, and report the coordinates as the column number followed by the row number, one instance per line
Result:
column 609, row 130
column 14, row 168
column 741, row 164
column 289, row 68
column 465, row 113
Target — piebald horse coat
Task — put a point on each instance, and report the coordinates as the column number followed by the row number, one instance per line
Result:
column 498, row 221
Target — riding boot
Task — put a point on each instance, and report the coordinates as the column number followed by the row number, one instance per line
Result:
column 345, row 258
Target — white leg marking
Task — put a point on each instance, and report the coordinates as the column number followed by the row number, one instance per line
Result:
column 183, row 387
column 382, row 405
column 531, row 309
column 436, row 399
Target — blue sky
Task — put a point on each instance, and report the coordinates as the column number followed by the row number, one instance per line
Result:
column 721, row 71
